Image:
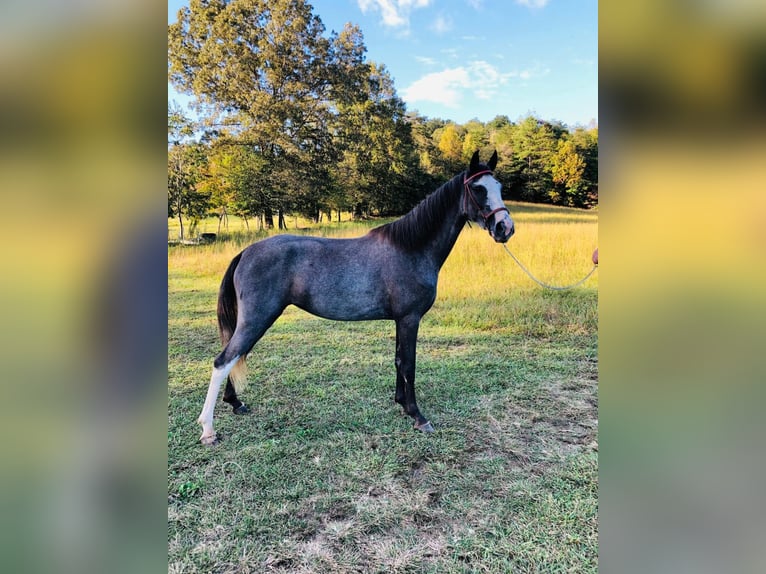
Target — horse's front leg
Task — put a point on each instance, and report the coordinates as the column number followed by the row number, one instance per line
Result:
column 399, row 396
column 406, row 344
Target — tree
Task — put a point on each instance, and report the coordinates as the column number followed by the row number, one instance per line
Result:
column 586, row 141
column 534, row 143
column 451, row 146
column 349, row 72
column 476, row 138
column 501, row 136
column 251, row 199
column 180, row 127
column 218, row 183
column 567, row 168
column 259, row 71
column 267, row 79
column 378, row 156
column 498, row 123
column 393, row 160
column 185, row 171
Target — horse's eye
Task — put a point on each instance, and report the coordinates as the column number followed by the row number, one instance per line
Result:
column 480, row 190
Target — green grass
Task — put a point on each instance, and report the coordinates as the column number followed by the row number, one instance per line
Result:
column 327, row 475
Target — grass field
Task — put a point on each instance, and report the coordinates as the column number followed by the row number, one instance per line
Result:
column 326, row 473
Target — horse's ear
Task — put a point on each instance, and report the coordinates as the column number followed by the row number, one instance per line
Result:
column 493, row 161
column 474, row 166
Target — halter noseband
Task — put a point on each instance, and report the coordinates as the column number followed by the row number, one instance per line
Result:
column 469, row 193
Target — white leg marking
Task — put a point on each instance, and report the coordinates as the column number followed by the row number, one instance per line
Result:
column 206, row 416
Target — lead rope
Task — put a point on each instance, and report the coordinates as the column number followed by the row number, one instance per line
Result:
column 553, row 287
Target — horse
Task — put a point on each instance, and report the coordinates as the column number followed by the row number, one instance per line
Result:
column 391, row 273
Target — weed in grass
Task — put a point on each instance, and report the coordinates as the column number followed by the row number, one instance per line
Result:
column 188, row 489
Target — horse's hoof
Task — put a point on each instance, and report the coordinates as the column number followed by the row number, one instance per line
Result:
column 425, row 427
column 209, row 440
column 242, row 409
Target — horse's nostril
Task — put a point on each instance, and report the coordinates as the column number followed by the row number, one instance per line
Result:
column 499, row 230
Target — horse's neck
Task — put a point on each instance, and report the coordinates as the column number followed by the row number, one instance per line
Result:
column 447, row 233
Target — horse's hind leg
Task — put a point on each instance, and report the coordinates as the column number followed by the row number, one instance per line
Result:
column 244, row 337
column 230, row 396
column 221, row 370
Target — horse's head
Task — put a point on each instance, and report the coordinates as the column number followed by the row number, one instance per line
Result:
column 482, row 201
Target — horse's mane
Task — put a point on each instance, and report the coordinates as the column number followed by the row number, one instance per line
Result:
column 412, row 230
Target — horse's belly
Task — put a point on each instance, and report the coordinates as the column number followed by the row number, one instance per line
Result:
column 340, row 314
column 348, row 301
column 343, row 309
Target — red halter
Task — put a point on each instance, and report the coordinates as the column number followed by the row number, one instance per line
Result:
column 469, row 193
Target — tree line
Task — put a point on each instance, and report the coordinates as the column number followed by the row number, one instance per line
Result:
column 291, row 120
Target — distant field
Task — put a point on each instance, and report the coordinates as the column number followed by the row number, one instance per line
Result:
column 327, row 475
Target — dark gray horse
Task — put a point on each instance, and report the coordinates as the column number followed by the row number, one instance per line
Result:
column 390, row 273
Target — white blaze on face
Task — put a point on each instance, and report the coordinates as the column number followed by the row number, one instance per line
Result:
column 495, row 201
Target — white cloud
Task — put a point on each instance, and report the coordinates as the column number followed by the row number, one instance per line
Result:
column 449, row 86
column 533, row 3
column 487, row 78
column 438, row 87
column 394, row 13
column 535, row 72
column 442, row 24
column 425, row 60
column 450, row 52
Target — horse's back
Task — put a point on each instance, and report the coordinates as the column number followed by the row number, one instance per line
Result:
column 332, row 278
column 294, row 250
column 342, row 279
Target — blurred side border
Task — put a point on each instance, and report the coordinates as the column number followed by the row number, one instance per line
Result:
column 84, row 286
column 682, row 88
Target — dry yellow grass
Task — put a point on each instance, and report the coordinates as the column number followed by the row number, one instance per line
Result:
column 554, row 243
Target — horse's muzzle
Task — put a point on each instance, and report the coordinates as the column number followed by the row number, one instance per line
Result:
column 503, row 230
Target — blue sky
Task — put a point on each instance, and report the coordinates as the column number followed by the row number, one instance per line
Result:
column 464, row 59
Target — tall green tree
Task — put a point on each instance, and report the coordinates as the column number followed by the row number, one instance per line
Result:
column 476, row 138
column 586, row 142
column 451, row 146
column 509, row 166
column 534, row 143
column 259, row 71
column 567, row 168
column 266, row 78
column 245, row 170
column 180, row 126
column 186, row 171
column 378, row 157
column 498, row 123
column 424, row 132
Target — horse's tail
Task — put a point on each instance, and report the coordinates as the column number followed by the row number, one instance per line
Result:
column 227, row 321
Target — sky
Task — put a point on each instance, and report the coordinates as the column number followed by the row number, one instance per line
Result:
column 476, row 59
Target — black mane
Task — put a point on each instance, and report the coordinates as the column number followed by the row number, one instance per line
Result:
column 412, row 230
